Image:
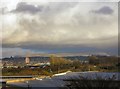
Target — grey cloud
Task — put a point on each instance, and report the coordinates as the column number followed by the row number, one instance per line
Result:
column 61, row 26
column 24, row 7
column 3, row 11
column 104, row 10
column 46, row 48
column 42, row 31
column 52, row 8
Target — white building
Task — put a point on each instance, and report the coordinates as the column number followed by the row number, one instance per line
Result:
column 27, row 60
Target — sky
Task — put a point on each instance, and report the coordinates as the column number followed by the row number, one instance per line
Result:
column 37, row 27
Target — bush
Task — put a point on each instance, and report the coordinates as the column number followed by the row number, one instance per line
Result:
column 87, row 83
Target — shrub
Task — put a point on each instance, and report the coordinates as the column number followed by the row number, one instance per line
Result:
column 89, row 83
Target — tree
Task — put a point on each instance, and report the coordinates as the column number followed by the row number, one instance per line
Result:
column 93, row 60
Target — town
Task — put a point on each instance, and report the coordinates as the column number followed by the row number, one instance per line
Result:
column 53, row 64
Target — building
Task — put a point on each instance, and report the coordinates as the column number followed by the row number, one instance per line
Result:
column 27, row 60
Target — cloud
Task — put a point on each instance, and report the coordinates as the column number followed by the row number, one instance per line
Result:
column 13, row 51
column 104, row 10
column 26, row 8
column 31, row 8
column 60, row 27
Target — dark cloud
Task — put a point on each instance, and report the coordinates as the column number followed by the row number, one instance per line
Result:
column 65, row 49
column 24, row 7
column 104, row 10
column 52, row 8
column 62, row 27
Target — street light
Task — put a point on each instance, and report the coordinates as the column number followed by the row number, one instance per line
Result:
column 28, row 86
